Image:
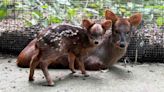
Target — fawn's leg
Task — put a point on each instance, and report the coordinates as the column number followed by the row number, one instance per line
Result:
column 44, row 67
column 33, row 65
column 71, row 59
column 82, row 67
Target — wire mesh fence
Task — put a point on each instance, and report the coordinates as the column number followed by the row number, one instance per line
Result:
column 20, row 20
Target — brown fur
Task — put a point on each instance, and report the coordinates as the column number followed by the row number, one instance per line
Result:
column 24, row 58
column 76, row 47
column 120, row 34
column 115, row 45
column 26, row 54
column 107, row 53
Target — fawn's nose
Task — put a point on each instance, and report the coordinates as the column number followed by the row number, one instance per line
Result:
column 96, row 42
column 122, row 44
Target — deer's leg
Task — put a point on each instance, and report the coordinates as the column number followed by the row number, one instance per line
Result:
column 82, row 67
column 33, row 65
column 71, row 59
column 44, row 67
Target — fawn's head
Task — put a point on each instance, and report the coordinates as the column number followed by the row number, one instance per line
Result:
column 121, row 27
column 96, row 30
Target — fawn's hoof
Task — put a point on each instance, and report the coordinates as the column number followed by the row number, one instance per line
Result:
column 31, row 79
column 73, row 72
column 51, row 84
column 104, row 71
column 85, row 74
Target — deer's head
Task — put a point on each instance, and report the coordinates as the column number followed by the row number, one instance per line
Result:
column 96, row 30
column 121, row 27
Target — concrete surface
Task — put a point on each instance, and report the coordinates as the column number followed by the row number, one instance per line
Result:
column 139, row 78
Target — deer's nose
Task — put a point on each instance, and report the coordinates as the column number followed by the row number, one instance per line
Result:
column 96, row 42
column 122, row 44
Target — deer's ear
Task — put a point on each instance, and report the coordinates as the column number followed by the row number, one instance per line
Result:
column 109, row 15
column 135, row 19
column 87, row 23
column 106, row 24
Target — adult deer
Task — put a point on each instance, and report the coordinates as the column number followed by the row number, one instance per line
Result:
column 108, row 53
column 115, row 45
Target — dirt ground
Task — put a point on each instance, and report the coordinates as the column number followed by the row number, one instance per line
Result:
column 137, row 78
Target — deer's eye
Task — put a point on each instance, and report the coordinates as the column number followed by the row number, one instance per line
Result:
column 117, row 32
column 128, row 32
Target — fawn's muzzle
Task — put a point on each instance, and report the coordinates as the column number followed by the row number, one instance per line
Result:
column 96, row 42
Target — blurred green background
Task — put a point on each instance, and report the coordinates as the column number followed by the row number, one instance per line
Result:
column 47, row 12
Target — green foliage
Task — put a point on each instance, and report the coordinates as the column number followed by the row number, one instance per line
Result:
column 5, row 2
column 3, row 8
column 155, row 7
column 3, row 13
column 160, row 21
column 54, row 19
column 71, row 13
column 56, row 11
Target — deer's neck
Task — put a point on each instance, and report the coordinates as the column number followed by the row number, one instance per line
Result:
column 110, row 53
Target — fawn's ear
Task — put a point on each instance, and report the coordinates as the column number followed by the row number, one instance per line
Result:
column 106, row 24
column 135, row 19
column 87, row 23
column 109, row 15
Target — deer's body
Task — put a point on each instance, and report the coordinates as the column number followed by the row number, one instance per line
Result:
column 73, row 41
column 24, row 58
column 114, row 45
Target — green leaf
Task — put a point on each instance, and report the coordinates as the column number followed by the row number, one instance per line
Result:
column 155, row 7
column 30, row 22
column 6, row 2
column 123, row 10
column 93, row 5
column 45, row 6
column 160, row 21
column 37, row 14
column 3, row 13
column 89, row 14
column 20, row 6
column 54, row 19
column 127, row 13
column 72, row 12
